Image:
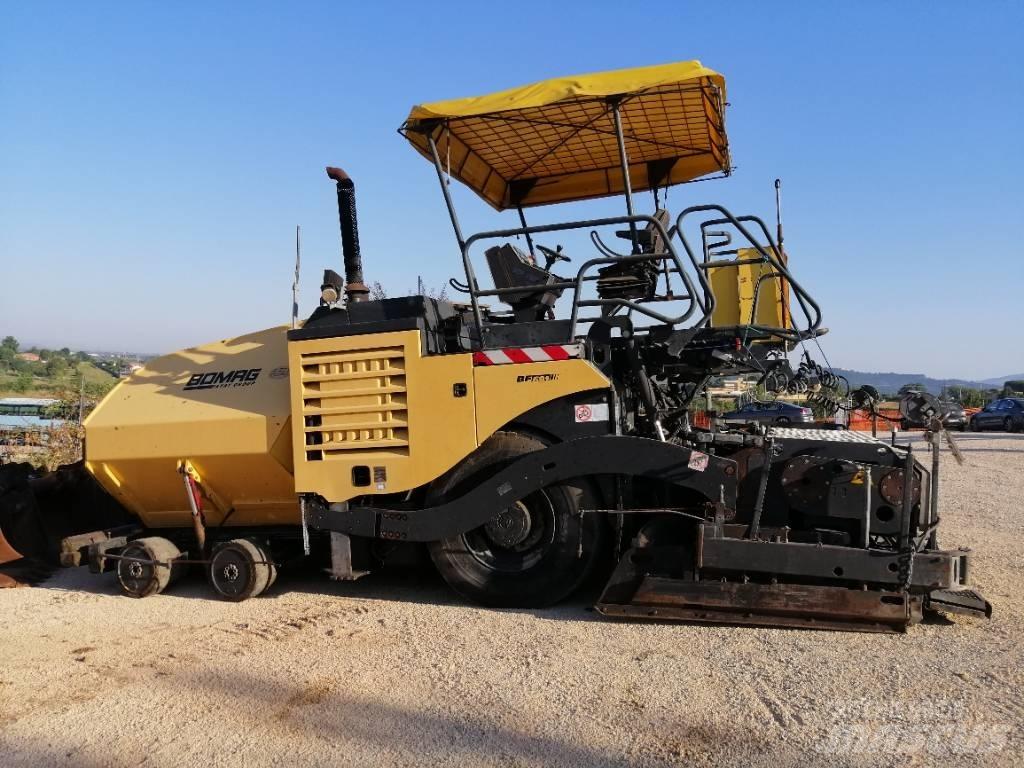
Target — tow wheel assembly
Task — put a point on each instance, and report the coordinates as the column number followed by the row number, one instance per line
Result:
column 147, row 566
column 240, row 569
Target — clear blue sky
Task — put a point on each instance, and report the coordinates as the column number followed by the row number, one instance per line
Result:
column 155, row 157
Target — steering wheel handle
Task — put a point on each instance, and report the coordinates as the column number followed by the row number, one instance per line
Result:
column 552, row 256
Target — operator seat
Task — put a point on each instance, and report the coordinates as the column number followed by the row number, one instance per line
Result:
column 512, row 268
column 636, row 280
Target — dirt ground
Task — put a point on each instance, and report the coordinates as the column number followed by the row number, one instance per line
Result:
column 392, row 670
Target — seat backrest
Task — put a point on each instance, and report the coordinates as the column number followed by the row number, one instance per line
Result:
column 510, row 267
column 649, row 238
column 657, row 243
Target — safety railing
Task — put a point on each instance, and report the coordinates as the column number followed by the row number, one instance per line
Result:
column 697, row 294
column 696, row 300
column 768, row 253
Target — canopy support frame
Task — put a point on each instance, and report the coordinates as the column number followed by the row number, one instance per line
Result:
column 529, row 240
column 627, row 186
column 436, row 157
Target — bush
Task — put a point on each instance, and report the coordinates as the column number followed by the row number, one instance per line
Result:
column 23, row 383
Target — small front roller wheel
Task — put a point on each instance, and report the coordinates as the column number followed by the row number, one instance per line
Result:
column 240, row 569
column 149, row 566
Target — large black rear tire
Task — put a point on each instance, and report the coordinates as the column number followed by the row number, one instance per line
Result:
column 535, row 553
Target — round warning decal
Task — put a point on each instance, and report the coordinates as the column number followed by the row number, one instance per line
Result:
column 588, row 412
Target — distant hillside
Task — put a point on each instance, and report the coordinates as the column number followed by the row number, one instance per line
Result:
column 889, row 383
column 998, row 382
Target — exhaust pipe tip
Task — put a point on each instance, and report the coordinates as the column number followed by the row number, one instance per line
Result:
column 355, row 290
column 338, row 175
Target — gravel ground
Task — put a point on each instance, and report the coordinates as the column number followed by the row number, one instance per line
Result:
column 392, row 670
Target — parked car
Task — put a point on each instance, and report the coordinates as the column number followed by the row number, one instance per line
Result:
column 1006, row 414
column 778, row 413
column 955, row 418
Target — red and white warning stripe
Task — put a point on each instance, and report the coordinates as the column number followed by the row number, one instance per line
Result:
column 543, row 354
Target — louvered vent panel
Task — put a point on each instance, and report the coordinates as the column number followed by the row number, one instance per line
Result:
column 354, row 401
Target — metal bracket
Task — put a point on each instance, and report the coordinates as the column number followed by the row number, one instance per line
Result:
column 714, row 477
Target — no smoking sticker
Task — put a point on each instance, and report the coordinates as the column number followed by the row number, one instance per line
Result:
column 698, row 461
column 591, row 412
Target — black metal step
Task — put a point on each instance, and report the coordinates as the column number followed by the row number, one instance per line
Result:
column 963, row 601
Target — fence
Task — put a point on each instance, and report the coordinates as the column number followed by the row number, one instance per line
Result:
column 859, row 420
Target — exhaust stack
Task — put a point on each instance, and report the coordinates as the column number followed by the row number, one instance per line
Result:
column 355, row 289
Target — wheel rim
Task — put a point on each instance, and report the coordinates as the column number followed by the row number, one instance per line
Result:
column 517, row 538
column 231, row 572
column 1008, row 424
column 512, row 527
column 136, row 577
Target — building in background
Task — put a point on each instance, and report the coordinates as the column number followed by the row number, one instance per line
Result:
column 27, row 420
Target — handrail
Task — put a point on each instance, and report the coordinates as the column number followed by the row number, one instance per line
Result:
column 691, row 295
column 804, row 298
column 698, row 294
column 801, row 293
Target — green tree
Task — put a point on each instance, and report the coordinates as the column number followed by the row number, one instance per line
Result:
column 23, row 383
column 969, row 397
column 56, row 367
column 8, row 349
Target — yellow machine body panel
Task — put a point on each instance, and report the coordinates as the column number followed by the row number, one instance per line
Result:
column 734, row 288
column 503, row 392
column 224, row 408
column 374, row 415
column 377, row 416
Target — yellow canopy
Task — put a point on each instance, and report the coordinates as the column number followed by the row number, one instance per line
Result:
column 554, row 141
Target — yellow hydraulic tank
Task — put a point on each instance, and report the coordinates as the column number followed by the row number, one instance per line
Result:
column 223, row 407
column 734, row 288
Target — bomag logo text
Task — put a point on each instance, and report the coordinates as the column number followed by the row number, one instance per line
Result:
column 537, row 377
column 243, row 377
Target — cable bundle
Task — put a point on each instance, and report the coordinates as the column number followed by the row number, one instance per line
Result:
column 825, row 389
